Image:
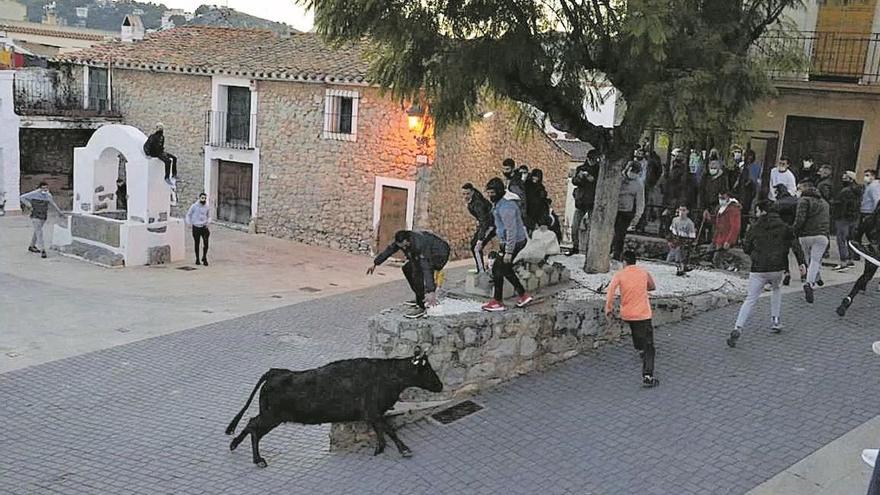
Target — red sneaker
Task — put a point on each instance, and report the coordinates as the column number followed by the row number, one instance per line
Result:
column 493, row 305
column 524, row 300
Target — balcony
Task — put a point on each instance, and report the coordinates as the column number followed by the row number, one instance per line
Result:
column 231, row 130
column 46, row 97
column 833, row 57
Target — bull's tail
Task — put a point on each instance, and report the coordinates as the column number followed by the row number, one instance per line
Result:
column 231, row 428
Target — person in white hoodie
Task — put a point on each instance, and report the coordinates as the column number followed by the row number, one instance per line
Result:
column 199, row 216
column 782, row 175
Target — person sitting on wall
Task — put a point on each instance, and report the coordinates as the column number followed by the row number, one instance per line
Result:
column 121, row 194
column 155, row 148
column 426, row 253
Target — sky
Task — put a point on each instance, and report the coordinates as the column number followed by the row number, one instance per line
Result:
column 274, row 10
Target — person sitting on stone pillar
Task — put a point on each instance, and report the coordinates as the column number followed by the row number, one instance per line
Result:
column 155, row 148
column 426, row 253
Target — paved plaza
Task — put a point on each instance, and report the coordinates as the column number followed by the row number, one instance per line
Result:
column 148, row 417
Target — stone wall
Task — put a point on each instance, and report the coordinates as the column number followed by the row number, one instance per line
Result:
column 473, row 153
column 320, row 191
column 178, row 101
column 47, row 155
column 475, row 351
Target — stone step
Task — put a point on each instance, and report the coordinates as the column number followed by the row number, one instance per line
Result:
column 93, row 254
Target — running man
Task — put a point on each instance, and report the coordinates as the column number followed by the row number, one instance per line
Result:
column 870, row 253
column 39, row 201
column 634, row 284
column 767, row 243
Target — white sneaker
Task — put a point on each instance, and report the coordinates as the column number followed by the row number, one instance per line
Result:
column 876, row 347
column 869, row 456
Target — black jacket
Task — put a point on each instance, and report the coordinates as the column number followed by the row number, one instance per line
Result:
column 481, row 209
column 537, row 207
column 744, row 189
column 680, row 187
column 155, row 145
column 825, row 187
column 847, row 203
column 786, row 206
column 427, row 252
column 768, row 242
column 813, row 216
column 585, row 189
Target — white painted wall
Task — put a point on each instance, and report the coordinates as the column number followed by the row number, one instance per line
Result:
column 10, row 172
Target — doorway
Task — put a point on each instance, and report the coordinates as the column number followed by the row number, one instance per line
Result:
column 832, row 141
column 392, row 214
column 234, row 185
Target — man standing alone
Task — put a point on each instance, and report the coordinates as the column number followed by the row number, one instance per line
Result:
column 39, row 201
column 634, row 284
column 199, row 216
column 512, row 236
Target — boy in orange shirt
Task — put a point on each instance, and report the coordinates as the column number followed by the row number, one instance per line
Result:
column 635, row 309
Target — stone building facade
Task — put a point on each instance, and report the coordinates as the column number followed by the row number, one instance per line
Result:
column 307, row 183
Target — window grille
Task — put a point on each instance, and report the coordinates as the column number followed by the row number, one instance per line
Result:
column 341, row 115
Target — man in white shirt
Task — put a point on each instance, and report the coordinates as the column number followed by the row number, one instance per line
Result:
column 199, row 216
column 782, row 175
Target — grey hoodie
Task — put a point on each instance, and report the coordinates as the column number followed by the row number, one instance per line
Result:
column 39, row 201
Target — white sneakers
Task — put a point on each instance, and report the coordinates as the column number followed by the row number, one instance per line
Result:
column 869, row 456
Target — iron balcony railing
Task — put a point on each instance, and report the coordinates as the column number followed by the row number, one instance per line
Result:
column 825, row 56
column 60, row 98
column 231, row 130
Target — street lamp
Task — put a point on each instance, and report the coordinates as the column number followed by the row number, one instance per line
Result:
column 415, row 117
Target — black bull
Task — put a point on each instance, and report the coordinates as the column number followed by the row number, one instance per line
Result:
column 349, row 390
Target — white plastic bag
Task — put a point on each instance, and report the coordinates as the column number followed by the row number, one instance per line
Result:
column 543, row 243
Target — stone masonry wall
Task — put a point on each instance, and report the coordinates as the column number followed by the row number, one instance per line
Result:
column 178, row 101
column 320, row 191
column 473, row 153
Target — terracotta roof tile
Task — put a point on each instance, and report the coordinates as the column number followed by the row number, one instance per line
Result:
column 254, row 53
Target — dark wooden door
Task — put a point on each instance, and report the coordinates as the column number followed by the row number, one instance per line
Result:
column 832, row 141
column 392, row 214
column 238, row 115
column 234, row 192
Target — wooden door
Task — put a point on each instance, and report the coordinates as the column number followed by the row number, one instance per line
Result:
column 832, row 141
column 842, row 40
column 234, row 183
column 392, row 215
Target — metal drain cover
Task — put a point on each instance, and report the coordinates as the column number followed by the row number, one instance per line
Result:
column 187, row 268
column 457, row 412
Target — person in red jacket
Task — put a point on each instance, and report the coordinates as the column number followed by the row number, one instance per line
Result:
column 727, row 220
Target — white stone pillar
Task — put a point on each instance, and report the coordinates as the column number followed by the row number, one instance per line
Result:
column 10, row 172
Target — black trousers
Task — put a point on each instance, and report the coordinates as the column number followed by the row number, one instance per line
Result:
column 201, row 234
column 643, row 341
column 621, row 224
column 170, row 164
column 502, row 270
column 862, row 283
column 485, row 234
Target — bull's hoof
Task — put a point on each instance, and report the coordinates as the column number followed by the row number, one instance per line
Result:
column 406, row 453
column 261, row 463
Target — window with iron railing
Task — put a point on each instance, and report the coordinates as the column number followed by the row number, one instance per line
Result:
column 341, row 115
column 825, row 56
column 235, row 131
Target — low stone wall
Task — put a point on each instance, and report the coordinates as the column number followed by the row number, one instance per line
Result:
column 534, row 276
column 656, row 248
column 475, row 351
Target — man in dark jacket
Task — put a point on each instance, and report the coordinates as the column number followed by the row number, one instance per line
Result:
column 426, row 253
column 767, row 243
column 679, row 188
column 845, row 213
column 515, row 181
column 537, row 208
column 812, row 224
column 155, row 147
column 870, row 251
column 824, row 182
column 744, row 190
column 786, row 206
column 481, row 209
column 584, row 180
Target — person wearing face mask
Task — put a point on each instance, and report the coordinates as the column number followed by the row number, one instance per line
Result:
column 824, row 182
column 515, row 183
column 812, row 224
column 39, row 201
column 630, row 206
column 767, row 244
column 679, row 188
column 584, row 179
column 782, row 175
column 726, row 221
column 808, row 171
column 512, row 236
column 199, row 216
column 537, row 208
column 845, row 213
column 714, row 183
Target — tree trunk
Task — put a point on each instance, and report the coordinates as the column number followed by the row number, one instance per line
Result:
column 602, row 220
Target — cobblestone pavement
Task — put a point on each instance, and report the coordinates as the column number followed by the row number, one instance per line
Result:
column 148, row 417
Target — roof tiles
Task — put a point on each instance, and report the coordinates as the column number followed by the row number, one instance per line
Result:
column 253, row 53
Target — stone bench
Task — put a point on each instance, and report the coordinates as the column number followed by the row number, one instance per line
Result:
column 534, row 276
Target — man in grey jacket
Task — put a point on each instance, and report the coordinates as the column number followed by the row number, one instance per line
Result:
column 812, row 224
column 39, row 201
column 630, row 206
column 512, row 236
